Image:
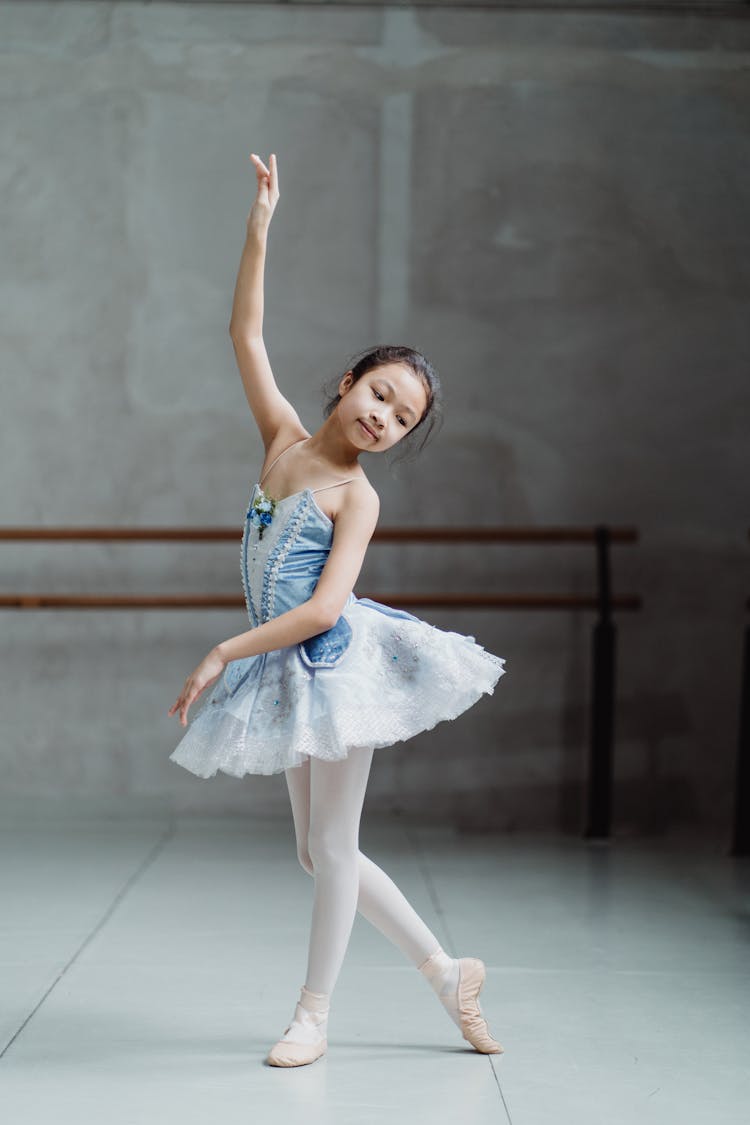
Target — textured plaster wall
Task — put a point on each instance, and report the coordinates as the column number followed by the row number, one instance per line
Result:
column 553, row 206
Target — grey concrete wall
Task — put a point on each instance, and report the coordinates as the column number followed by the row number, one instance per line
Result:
column 552, row 206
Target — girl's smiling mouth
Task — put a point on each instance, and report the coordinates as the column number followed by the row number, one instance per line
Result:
column 367, row 429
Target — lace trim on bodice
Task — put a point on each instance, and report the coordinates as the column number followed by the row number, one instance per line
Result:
column 278, row 554
column 251, row 610
column 262, row 560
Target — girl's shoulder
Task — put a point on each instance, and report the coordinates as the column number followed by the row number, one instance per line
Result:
column 353, row 502
column 359, row 493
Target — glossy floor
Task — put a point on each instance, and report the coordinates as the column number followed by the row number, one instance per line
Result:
column 148, row 963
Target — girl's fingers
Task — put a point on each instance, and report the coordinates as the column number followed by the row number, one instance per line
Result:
column 259, row 164
column 271, row 173
column 179, row 703
column 189, row 700
column 185, row 704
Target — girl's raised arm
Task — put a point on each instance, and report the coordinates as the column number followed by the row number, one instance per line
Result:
column 273, row 413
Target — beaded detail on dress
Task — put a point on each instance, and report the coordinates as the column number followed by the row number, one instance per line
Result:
column 277, row 556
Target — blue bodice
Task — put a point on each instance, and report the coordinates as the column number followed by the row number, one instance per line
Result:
column 281, row 565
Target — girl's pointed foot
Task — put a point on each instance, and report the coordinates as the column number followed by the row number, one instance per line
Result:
column 304, row 1040
column 457, row 983
column 471, row 974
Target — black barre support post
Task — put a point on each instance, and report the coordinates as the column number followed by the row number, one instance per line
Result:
column 741, row 834
column 602, row 699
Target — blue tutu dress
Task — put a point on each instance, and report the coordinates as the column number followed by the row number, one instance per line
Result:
column 379, row 676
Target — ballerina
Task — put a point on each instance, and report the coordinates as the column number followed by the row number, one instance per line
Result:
column 323, row 678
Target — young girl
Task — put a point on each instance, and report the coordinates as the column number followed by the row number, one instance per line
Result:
column 323, row 677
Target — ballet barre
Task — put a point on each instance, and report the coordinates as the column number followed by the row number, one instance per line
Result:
column 602, row 600
column 740, row 845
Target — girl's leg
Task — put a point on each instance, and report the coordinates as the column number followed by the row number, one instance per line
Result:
column 379, row 900
column 456, row 982
column 337, row 792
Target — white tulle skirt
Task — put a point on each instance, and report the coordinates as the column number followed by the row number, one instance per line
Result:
column 399, row 676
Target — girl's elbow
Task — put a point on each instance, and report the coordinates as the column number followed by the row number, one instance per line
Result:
column 326, row 616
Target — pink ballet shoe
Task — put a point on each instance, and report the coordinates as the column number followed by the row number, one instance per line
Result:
column 471, row 974
column 286, row 1053
column 308, row 1044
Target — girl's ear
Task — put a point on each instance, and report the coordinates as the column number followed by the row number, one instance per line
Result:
column 346, row 382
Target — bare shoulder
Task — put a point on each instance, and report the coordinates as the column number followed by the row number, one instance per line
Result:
column 359, row 502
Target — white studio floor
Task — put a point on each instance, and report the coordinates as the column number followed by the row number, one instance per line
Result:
column 148, row 963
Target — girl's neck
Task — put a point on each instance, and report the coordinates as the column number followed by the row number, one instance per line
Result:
column 329, row 445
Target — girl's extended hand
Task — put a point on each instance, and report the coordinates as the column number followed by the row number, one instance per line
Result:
column 209, row 670
column 268, row 192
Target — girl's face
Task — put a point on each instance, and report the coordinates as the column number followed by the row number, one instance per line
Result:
column 381, row 407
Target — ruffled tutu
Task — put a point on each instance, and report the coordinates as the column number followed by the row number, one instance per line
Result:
column 399, row 676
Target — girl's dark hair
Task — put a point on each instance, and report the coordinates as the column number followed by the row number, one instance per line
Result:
column 379, row 356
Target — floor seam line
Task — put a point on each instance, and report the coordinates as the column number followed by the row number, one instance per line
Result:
column 496, row 1076
column 431, row 889
column 432, row 892
column 130, row 882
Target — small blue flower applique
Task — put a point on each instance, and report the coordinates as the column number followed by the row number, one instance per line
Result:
column 261, row 511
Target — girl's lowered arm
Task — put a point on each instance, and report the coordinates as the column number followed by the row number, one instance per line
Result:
column 272, row 411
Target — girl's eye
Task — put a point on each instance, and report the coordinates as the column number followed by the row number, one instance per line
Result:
column 402, row 421
column 377, row 394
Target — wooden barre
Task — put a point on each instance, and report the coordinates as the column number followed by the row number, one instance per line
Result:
column 442, row 534
column 234, row 601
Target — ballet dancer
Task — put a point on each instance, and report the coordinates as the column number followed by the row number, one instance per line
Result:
column 323, row 678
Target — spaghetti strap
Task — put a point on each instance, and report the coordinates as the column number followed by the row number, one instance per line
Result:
column 321, row 489
column 279, row 458
column 335, row 485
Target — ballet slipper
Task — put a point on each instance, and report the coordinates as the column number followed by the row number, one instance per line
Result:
column 463, row 1004
column 308, row 1043
column 286, row 1053
column 471, row 974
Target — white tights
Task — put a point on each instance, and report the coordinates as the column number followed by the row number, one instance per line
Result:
column 327, row 799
